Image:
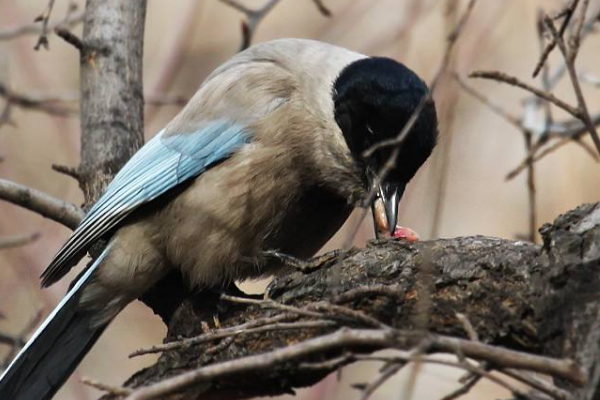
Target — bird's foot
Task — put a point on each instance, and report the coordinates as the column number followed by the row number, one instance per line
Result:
column 301, row 265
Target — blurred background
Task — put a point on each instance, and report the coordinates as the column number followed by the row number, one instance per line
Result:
column 461, row 191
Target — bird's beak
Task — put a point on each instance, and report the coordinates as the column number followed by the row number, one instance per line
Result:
column 385, row 208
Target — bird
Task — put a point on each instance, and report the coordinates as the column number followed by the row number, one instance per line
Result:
column 267, row 155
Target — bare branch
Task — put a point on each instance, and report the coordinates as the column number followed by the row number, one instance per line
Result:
column 496, row 108
column 70, row 37
column 386, row 374
column 538, row 384
column 114, row 390
column 48, row 105
column 70, row 21
column 236, row 331
column 344, row 338
column 511, row 80
column 464, row 389
column 567, row 13
column 18, row 341
column 67, row 105
column 44, row 18
column 570, row 54
column 41, row 203
column 322, row 8
column 16, row 241
column 575, row 38
column 253, row 18
column 72, row 172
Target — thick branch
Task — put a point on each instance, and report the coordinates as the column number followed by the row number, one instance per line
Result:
column 112, row 103
column 517, row 295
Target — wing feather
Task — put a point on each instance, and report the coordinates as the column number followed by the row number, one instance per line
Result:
column 162, row 164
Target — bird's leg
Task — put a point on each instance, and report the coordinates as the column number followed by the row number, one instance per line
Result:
column 304, row 266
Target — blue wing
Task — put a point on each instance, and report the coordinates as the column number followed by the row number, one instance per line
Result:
column 160, row 165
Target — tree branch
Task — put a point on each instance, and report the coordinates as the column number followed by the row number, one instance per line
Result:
column 41, row 203
column 72, row 19
column 48, row 105
column 112, row 103
column 533, row 308
column 17, row 241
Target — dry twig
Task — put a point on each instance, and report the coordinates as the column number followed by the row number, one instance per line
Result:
column 374, row 338
column 16, row 241
column 513, row 81
column 41, row 203
column 44, row 18
column 48, row 105
column 566, row 14
column 18, row 341
column 255, row 17
column 72, row 19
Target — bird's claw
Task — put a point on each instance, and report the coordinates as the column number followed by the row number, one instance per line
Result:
column 304, row 266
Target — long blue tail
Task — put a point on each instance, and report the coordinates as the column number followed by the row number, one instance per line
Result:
column 54, row 350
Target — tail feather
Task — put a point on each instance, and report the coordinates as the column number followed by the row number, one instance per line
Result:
column 55, row 349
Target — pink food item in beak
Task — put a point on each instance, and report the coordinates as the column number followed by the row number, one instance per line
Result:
column 381, row 226
column 402, row 233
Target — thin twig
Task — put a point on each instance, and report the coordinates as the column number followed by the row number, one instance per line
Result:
column 117, row 391
column 374, row 338
column 531, row 189
column 575, row 37
column 44, row 18
column 16, row 241
column 273, row 304
column 468, row 327
column 538, row 384
column 335, row 311
column 253, row 18
column 567, row 13
column 496, row 108
column 571, row 135
column 234, row 332
column 329, row 365
column 72, row 172
column 70, row 37
column 570, row 55
column 511, row 80
column 19, row 340
column 47, row 105
column 464, row 389
column 66, row 105
column 70, row 21
column 322, row 8
column 546, row 83
column 388, row 372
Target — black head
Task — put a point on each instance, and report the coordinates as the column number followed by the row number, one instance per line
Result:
column 373, row 99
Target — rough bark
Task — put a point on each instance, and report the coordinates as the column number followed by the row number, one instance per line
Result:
column 540, row 299
column 112, row 102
